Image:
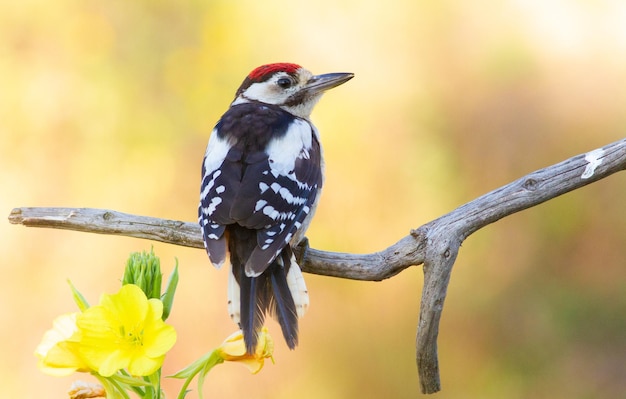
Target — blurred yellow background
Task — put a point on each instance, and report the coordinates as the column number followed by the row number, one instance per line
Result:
column 109, row 104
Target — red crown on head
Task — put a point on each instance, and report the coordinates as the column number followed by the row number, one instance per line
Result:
column 265, row 71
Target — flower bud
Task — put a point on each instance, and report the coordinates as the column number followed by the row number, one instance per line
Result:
column 144, row 270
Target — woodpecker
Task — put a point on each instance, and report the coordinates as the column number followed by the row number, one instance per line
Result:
column 262, row 175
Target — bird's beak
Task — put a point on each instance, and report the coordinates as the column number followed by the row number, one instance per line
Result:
column 321, row 83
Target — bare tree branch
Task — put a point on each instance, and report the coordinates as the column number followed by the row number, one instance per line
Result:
column 435, row 244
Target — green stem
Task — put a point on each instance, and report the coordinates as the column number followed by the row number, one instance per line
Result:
column 155, row 385
column 137, row 389
column 183, row 390
column 201, row 366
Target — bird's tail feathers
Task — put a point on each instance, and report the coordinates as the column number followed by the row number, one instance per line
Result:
column 279, row 291
column 255, row 301
column 282, row 304
column 295, row 281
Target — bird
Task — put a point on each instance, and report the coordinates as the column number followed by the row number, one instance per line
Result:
column 262, row 175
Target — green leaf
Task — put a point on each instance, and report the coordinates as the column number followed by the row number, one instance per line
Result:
column 201, row 366
column 129, row 380
column 114, row 390
column 80, row 300
column 168, row 296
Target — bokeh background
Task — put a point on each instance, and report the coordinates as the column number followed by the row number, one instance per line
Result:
column 109, row 104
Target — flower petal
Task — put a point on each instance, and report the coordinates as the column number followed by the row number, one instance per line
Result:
column 129, row 304
column 58, row 351
column 63, row 327
column 159, row 341
column 145, row 365
column 233, row 346
column 98, row 336
column 84, row 390
column 234, row 349
column 115, row 361
column 252, row 364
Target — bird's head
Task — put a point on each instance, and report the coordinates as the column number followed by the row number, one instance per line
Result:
column 289, row 86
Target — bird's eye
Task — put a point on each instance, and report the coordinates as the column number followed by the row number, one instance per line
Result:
column 285, row 83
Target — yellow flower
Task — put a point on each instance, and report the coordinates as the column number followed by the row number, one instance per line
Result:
column 234, row 349
column 125, row 331
column 58, row 351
